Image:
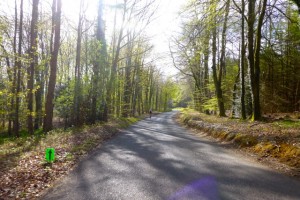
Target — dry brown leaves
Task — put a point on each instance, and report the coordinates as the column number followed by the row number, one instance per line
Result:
column 30, row 174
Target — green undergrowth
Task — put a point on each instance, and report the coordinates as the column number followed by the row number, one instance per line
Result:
column 287, row 124
column 263, row 140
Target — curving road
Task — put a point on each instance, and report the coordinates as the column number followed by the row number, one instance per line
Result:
column 157, row 159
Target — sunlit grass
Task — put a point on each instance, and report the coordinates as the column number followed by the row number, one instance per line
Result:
column 287, row 124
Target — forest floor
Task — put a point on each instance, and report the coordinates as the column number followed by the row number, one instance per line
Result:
column 275, row 141
column 25, row 173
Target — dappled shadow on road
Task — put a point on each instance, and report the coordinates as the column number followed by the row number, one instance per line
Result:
column 156, row 159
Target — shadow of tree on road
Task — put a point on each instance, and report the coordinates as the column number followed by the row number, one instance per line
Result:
column 156, row 159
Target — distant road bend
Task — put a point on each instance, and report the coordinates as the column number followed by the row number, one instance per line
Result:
column 157, row 159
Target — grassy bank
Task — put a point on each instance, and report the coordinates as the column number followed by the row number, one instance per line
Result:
column 24, row 171
column 278, row 139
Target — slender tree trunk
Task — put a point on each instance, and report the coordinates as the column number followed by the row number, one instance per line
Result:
column 127, row 85
column 38, row 102
column 157, row 98
column 48, row 125
column 151, row 88
column 14, row 78
column 19, row 67
column 254, row 54
column 99, row 63
column 118, row 97
column 113, row 71
column 234, row 96
column 222, row 68
column 256, row 89
column 40, row 80
column 10, row 79
column 217, row 79
column 77, row 89
column 242, row 63
column 251, row 21
column 206, row 70
column 33, row 62
column 134, row 86
column 223, row 43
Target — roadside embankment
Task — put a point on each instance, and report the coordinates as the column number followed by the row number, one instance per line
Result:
column 279, row 139
column 25, row 173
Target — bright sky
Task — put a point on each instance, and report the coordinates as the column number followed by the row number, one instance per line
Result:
column 166, row 22
column 160, row 30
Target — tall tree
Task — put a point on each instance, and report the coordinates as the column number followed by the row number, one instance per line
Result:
column 14, row 78
column 242, row 62
column 218, row 73
column 254, row 48
column 242, row 57
column 33, row 55
column 77, row 90
column 56, row 8
column 127, row 85
column 100, row 62
column 41, row 71
column 18, row 76
column 117, row 40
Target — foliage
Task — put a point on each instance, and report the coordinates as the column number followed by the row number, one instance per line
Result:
column 64, row 100
column 95, row 80
column 211, row 104
column 270, row 83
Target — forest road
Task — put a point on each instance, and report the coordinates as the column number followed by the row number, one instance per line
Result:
column 157, row 159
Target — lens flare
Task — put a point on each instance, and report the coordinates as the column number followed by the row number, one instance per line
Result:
column 202, row 189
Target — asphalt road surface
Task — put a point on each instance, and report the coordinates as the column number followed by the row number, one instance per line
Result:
column 157, row 159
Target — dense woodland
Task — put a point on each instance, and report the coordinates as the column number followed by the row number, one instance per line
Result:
column 54, row 70
column 241, row 57
column 238, row 58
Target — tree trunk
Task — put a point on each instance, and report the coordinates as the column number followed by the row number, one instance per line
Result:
column 18, row 80
column 242, row 63
column 40, row 82
column 127, row 85
column 14, row 77
column 234, row 114
column 217, row 79
column 77, row 89
column 251, row 21
column 33, row 62
column 113, row 71
column 151, row 88
column 222, row 63
column 206, row 70
column 254, row 54
column 48, row 125
column 256, row 87
column 99, row 62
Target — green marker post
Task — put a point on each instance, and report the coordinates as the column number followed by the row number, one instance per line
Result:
column 50, row 154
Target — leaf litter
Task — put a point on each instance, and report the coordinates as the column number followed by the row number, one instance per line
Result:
column 26, row 174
